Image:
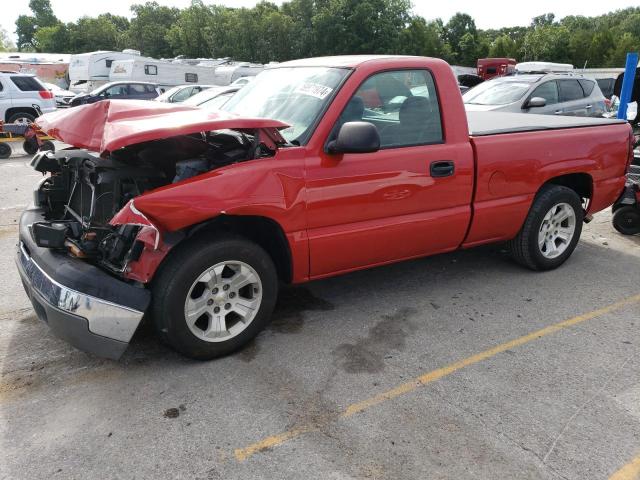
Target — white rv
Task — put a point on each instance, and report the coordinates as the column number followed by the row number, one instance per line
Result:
column 164, row 73
column 229, row 73
column 91, row 70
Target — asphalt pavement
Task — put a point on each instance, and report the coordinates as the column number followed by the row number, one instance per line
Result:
column 458, row 366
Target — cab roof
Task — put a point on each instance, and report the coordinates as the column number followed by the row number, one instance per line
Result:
column 339, row 61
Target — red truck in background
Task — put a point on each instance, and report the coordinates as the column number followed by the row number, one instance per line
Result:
column 489, row 68
column 193, row 218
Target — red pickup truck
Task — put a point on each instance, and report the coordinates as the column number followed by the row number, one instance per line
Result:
column 194, row 218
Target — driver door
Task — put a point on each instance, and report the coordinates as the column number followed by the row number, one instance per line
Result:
column 411, row 198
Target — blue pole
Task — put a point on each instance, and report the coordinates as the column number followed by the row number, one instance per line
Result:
column 627, row 84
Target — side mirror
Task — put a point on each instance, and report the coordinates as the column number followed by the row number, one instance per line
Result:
column 356, row 137
column 535, row 102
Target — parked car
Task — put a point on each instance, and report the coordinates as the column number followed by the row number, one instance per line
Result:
column 242, row 81
column 181, row 93
column 606, row 86
column 558, row 94
column 23, row 98
column 63, row 97
column 118, row 91
column 194, row 217
column 213, row 98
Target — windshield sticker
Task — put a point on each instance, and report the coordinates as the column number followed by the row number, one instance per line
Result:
column 314, row 90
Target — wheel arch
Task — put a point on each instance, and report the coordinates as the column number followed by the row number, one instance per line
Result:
column 13, row 110
column 581, row 183
column 263, row 231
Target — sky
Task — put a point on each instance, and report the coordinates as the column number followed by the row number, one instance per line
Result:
column 487, row 13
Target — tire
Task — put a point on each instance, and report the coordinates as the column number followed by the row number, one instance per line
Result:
column 626, row 220
column 180, row 284
column 21, row 117
column 48, row 145
column 30, row 146
column 559, row 241
column 5, row 150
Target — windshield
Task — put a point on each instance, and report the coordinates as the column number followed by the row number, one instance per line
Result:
column 293, row 95
column 496, row 93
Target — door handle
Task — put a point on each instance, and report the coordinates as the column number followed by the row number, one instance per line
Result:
column 558, row 112
column 442, row 168
column 589, row 106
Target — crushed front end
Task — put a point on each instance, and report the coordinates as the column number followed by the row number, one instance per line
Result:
column 86, row 253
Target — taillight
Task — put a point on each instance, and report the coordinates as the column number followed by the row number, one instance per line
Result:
column 46, row 94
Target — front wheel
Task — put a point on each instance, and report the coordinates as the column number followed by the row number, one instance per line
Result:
column 551, row 230
column 214, row 296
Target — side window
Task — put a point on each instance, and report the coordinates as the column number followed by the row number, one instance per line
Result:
column 182, row 95
column 587, row 86
column 149, row 88
column 402, row 104
column 570, row 90
column 191, row 77
column 116, row 90
column 1, row 87
column 108, row 63
column 137, row 89
column 150, row 70
column 548, row 91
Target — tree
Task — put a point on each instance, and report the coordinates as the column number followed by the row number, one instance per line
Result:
column 461, row 35
column 549, row 43
column 503, row 47
column 6, row 44
column 543, row 20
column 618, row 55
column 149, row 27
column 421, row 38
column 188, row 36
column 26, row 26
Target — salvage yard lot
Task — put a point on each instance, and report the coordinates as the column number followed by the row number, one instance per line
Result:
column 424, row 369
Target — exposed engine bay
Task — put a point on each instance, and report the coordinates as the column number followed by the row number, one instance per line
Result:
column 83, row 192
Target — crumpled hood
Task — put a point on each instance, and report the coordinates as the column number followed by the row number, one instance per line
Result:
column 112, row 124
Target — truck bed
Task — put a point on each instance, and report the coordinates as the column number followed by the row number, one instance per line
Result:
column 496, row 123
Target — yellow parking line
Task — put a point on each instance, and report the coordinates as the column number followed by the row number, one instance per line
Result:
column 242, row 454
column 631, row 471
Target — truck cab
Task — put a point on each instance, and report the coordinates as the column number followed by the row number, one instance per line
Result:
column 489, row 68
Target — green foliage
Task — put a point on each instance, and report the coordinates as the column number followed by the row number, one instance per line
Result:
column 304, row 28
column 149, row 28
column 6, row 44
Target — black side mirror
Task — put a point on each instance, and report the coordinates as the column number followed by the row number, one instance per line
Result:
column 356, row 137
column 535, row 102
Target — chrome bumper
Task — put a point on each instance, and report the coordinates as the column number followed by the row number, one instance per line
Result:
column 89, row 323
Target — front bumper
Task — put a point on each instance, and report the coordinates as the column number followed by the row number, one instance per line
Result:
column 81, row 303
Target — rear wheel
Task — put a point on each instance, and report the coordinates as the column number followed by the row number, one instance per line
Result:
column 22, row 118
column 551, row 230
column 5, row 150
column 213, row 296
column 626, row 220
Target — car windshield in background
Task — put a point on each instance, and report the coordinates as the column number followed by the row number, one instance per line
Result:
column 294, row 95
column 496, row 93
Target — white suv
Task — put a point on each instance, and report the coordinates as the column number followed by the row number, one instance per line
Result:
column 23, row 98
